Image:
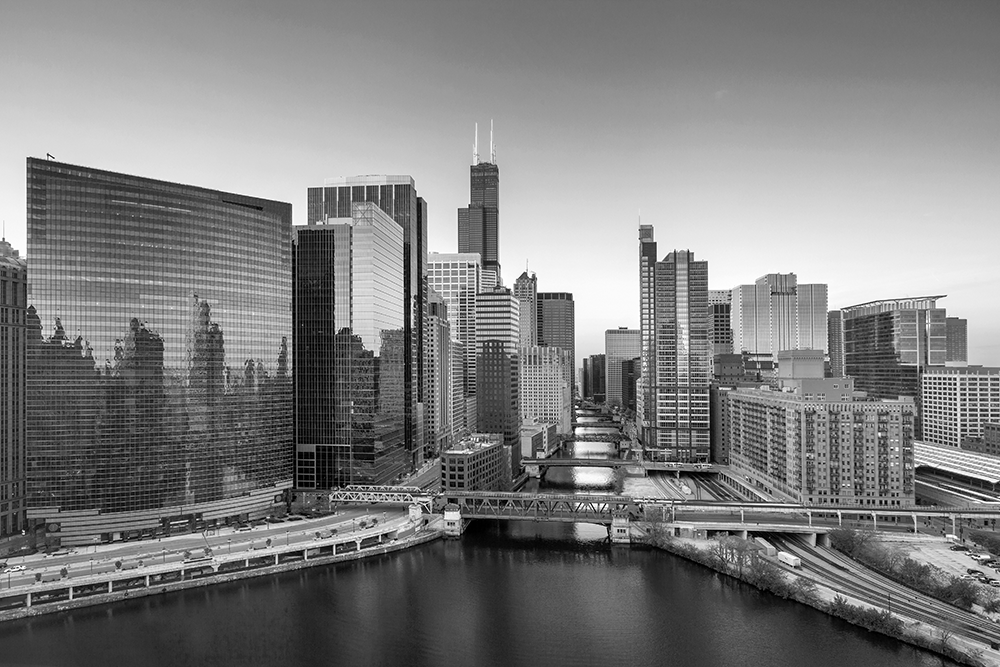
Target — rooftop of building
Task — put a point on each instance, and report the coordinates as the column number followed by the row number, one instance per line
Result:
column 475, row 442
column 11, row 257
column 957, row 461
column 369, row 179
column 884, row 305
column 961, row 370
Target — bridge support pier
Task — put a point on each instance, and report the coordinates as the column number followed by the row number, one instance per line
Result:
column 822, row 539
column 619, row 530
column 454, row 526
column 744, row 534
column 811, row 539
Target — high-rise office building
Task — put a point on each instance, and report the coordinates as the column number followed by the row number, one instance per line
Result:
column 439, row 403
column 526, row 291
column 810, row 441
column 888, row 343
column 349, row 338
column 555, row 316
column 544, row 392
column 619, row 344
column 479, row 222
column 958, row 339
column 598, row 377
column 397, row 197
column 956, row 403
column 646, row 384
column 457, row 277
column 720, row 301
column 497, row 365
column 683, row 362
column 13, row 378
column 587, row 386
column 630, row 376
column 776, row 313
column 835, row 336
column 159, row 337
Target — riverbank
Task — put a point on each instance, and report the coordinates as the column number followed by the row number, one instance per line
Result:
column 428, row 534
column 835, row 603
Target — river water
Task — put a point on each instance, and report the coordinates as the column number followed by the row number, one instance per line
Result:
column 505, row 594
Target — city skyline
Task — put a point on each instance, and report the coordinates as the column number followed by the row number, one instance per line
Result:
column 764, row 138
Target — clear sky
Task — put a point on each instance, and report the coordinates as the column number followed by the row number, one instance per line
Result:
column 854, row 143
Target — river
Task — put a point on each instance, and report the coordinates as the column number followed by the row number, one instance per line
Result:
column 505, row 594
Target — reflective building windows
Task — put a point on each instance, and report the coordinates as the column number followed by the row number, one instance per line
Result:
column 159, row 383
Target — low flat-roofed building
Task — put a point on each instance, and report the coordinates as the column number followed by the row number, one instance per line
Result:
column 476, row 463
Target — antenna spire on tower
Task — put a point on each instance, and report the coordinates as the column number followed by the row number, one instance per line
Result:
column 493, row 150
column 475, row 147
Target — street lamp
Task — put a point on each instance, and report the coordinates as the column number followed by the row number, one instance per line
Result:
column 229, row 545
column 286, row 537
column 91, row 566
column 164, row 556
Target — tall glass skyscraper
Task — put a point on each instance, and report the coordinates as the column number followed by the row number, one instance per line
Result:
column 397, row 197
column 555, row 318
column 683, row 363
column 479, row 222
column 159, row 383
column 349, row 383
column 777, row 314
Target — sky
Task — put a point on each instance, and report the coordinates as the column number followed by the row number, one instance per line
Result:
column 854, row 143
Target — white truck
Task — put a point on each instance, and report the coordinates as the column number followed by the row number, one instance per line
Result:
column 765, row 546
column 789, row 559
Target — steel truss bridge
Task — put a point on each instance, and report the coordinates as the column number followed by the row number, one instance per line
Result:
column 543, row 506
column 401, row 495
column 620, row 463
column 602, row 508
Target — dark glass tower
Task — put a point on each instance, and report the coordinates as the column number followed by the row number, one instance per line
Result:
column 397, row 197
column 479, row 223
column 159, row 384
column 555, row 317
column 349, row 382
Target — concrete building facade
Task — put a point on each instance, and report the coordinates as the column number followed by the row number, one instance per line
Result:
column 957, row 403
column 13, row 384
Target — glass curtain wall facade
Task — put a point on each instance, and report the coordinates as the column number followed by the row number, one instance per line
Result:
column 555, row 317
column 479, row 223
column 619, row 345
column 397, row 197
column 350, row 383
column 159, row 382
column 683, row 359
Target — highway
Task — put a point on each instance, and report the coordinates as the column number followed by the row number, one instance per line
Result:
column 836, row 571
column 101, row 558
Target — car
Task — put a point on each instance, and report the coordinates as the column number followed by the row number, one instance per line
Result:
column 15, row 568
column 973, row 571
column 967, row 577
column 959, row 547
column 243, row 529
column 296, row 518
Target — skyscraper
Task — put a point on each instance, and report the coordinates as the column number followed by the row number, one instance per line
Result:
column 776, row 314
column 457, row 277
column 159, row 336
column 13, row 377
column 397, row 197
column 479, row 222
column 526, row 291
column 619, row 344
column 720, row 301
column 835, row 336
column 438, row 374
column 958, row 339
column 683, row 362
column 598, row 376
column 888, row 343
column 556, row 322
column 646, row 384
column 544, row 392
column 349, row 380
column 497, row 337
